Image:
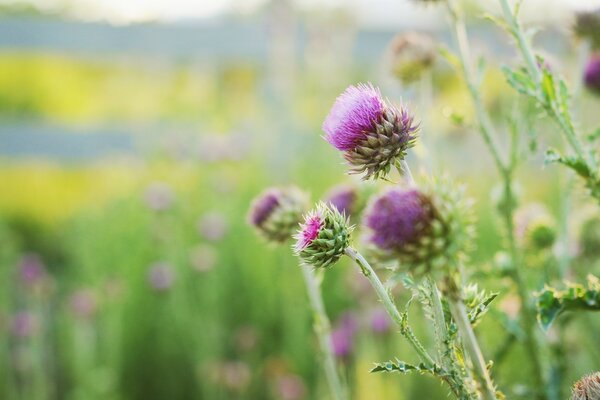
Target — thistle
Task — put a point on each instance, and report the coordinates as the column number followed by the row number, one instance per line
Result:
column 587, row 388
column 373, row 134
column 276, row 212
column 412, row 54
column 587, row 26
column 422, row 229
column 323, row 237
column 592, row 74
column 346, row 199
column 534, row 227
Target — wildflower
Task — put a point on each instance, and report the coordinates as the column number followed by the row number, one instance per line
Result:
column 235, row 375
column 373, row 134
column 323, row 237
column 213, row 226
column 420, row 228
column 24, row 324
column 412, row 54
column 380, row 321
column 344, row 198
column 83, row 303
column 592, row 74
column 159, row 196
column 276, row 212
column 587, row 388
column 290, row 387
column 342, row 337
column 31, row 269
column 534, row 227
column 161, row 277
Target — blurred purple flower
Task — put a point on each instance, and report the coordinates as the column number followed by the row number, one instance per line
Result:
column 213, row 226
column 341, row 342
column 24, row 324
column 353, row 113
column 343, row 198
column 380, row 321
column 291, row 387
column 263, row 206
column 32, row 269
column 161, row 276
column 592, row 74
column 398, row 217
column 83, row 303
column 159, row 196
column 203, row 258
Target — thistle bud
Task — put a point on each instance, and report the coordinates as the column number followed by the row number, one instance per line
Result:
column 422, row 229
column 412, row 54
column 373, row 134
column 277, row 211
column 592, row 74
column 534, row 227
column 587, row 388
column 323, row 236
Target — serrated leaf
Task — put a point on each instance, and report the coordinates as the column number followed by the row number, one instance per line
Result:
column 577, row 164
column 405, row 368
column 552, row 302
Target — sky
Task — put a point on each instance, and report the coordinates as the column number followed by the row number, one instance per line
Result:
column 371, row 13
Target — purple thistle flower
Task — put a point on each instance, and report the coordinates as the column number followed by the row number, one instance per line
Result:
column 380, row 321
column 353, row 113
column 83, row 303
column 291, row 387
column 592, row 74
column 373, row 134
column 24, row 324
column 161, row 277
column 264, row 206
column 398, row 217
column 344, row 198
column 341, row 342
column 309, row 231
column 31, row 268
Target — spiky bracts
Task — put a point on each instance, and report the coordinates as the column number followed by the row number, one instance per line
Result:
column 323, row 236
column 424, row 229
column 587, row 388
column 373, row 134
column 276, row 212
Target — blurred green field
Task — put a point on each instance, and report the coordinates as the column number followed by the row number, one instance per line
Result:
column 148, row 282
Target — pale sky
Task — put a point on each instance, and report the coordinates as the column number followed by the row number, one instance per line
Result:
column 370, row 13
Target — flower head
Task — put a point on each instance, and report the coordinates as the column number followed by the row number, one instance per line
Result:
column 587, row 388
column 323, row 236
column 420, row 228
column 276, row 212
column 161, row 277
column 592, row 74
column 24, row 324
column 534, row 227
column 344, row 198
column 412, row 54
column 373, row 134
column 32, row 269
column 380, row 321
column 84, row 303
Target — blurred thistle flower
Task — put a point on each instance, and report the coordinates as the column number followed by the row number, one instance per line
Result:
column 83, row 303
column 290, row 387
column 380, row 321
column 421, row 228
column 246, row 338
column 589, row 237
column 24, row 324
column 587, row 26
column 31, row 269
column 592, row 74
column 344, row 198
column 159, row 196
column 534, row 227
column 587, row 388
column 276, row 212
column 323, row 237
column 203, row 257
column 411, row 54
column 373, row 134
column 235, row 375
column 161, row 276
column 213, row 226
column 342, row 337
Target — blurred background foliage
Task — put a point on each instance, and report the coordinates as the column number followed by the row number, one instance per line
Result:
column 130, row 272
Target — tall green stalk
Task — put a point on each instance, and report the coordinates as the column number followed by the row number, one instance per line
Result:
column 506, row 171
column 322, row 328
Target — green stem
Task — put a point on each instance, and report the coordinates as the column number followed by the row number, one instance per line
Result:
column 459, row 312
column 322, row 329
column 440, row 321
column 404, row 170
column 389, row 305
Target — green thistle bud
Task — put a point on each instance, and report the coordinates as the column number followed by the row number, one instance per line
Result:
column 587, row 388
column 535, row 229
column 323, row 236
column 411, row 55
column 276, row 212
column 424, row 229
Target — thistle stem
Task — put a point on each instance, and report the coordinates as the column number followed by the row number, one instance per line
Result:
column 469, row 339
column 322, row 329
column 404, row 170
column 388, row 304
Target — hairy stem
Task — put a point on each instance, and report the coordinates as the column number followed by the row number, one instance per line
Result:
column 459, row 312
column 322, row 328
column 389, row 305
